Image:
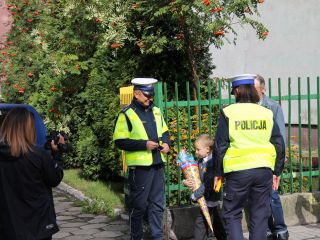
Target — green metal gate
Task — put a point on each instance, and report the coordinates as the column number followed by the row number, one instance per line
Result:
column 188, row 118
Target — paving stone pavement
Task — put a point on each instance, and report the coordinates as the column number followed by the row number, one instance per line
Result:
column 75, row 225
column 303, row 232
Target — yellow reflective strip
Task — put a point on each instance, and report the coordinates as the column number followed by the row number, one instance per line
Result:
column 242, row 163
column 250, row 151
column 138, row 158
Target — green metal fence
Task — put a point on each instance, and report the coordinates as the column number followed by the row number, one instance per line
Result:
column 187, row 118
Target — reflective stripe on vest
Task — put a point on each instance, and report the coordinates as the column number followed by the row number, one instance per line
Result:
column 138, row 132
column 250, row 128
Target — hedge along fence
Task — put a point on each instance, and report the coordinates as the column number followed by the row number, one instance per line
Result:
column 188, row 118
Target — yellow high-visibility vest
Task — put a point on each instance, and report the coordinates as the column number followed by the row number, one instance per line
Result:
column 138, row 132
column 250, row 128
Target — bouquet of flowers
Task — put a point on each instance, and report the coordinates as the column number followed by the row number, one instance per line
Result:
column 190, row 170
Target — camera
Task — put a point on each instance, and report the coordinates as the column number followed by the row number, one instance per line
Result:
column 55, row 136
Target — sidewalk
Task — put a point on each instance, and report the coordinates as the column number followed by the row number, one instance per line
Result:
column 75, row 225
column 305, row 232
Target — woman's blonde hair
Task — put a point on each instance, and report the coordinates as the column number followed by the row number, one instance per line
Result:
column 205, row 140
column 18, row 131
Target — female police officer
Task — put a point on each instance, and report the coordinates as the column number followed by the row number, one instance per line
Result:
column 249, row 149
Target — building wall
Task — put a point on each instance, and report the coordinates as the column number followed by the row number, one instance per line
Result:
column 292, row 50
column 5, row 22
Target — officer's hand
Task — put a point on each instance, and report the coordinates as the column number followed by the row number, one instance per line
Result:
column 189, row 183
column 276, row 182
column 152, row 145
column 165, row 148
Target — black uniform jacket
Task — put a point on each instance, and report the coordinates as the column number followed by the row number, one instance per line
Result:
column 26, row 202
column 222, row 143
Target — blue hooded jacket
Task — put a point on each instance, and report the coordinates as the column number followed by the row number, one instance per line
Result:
column 39, row 124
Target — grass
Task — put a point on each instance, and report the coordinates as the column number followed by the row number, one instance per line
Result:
column 106, row 196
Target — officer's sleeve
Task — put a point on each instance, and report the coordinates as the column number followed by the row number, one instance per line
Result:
column 221, row 144
column 166, row 138
column 198, row 193
column 277, row 140
column 279, row 119
column 122, row 133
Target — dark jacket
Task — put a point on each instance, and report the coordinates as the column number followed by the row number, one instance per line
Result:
column 207, row 175
column 26, row 202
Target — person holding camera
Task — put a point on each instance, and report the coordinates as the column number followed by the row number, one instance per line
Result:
column 27, row 174
column 142, row 133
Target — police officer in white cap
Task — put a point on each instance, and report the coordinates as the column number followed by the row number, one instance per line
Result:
column 249, row 149
column 142, row 133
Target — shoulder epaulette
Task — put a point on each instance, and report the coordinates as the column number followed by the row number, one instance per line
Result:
column 126, row 108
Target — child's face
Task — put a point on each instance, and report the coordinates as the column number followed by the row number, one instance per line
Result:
column 201, row 151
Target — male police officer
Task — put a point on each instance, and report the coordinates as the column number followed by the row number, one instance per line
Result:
column 141, row 132
column 248, row 147
column 277, row 229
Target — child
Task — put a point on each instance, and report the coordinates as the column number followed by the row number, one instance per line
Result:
column 203, row 145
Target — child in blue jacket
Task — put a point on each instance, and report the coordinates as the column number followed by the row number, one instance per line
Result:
column 203, row 146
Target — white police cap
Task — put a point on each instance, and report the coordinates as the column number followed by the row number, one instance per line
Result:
column 146, row 85
column 243, row 79
column 144, row 81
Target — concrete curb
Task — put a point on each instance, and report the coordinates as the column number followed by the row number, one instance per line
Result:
column 80, row 196
column 73, row 192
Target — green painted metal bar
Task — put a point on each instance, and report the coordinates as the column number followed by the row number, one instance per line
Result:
column 279, row 90
column 220, row 94
column 178, row 139
column 318, row 109
column 168, row 178
column 229, row 93
column 270, row 89
column 176, row 187
column 279, row 93
column 189, row 122
column 304, row 174
column 295, row 97
column 300, row 135
column 309, row 135
column 210, row 109
column 199, row 107
column 158, row 99
column 189, row 114
column 172, row 104
column 194, row 103
column 289, row 130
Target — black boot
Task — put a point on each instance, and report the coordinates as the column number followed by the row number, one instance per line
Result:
column 283, row 236
column 270, row 236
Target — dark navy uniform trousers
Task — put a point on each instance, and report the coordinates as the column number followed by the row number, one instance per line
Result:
column 251, row 186
column 146, row 193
